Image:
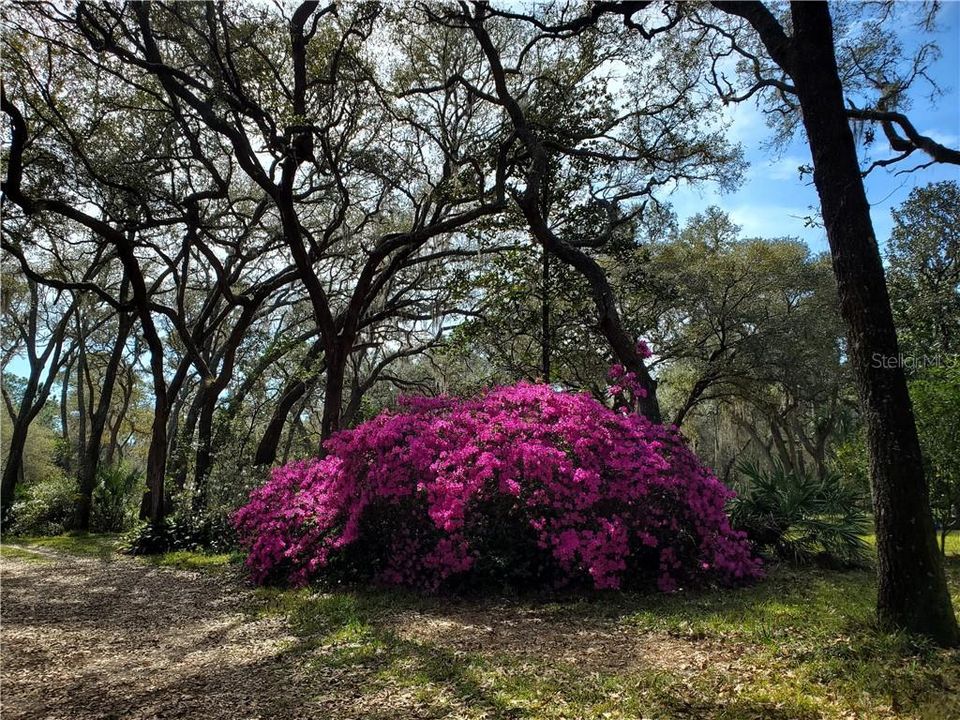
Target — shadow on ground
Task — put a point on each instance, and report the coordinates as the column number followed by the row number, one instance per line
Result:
column 87, row 639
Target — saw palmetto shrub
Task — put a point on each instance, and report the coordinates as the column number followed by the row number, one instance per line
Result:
column 801, row 518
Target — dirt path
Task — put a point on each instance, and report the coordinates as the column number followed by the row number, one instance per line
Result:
column 83, row 639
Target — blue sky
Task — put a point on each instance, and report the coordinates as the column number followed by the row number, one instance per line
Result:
column 773, row 201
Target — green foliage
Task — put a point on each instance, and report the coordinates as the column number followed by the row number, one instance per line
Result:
column 115, row 499
column 936, row 404
column 182, row 531
column 45, row 507
column 749, row 343
column 800, row 518
column 748, row 317
column 153, row 538
column 851, row 463
column 43, row 444
column 924, row 274
column 505, row 341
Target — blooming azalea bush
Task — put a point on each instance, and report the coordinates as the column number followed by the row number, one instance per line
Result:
column 523, row 484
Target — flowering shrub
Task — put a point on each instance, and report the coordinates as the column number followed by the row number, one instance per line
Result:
column 523, row 484
column 625, row 387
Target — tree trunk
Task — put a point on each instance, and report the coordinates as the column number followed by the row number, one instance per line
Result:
column 67, row 459
column 154, row 504
column 81, row 442
column 153, row 507
column 352, row 409
column 181, row 440
column 295, row 425
column 13, row 469
column 204, row 456
column 267, row 448
column 127, row 389
column 333, row 391
column 913, row 592
column 90, row 459
column 545, row 317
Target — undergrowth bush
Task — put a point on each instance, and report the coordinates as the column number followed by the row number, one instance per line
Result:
column 801, row 518
column 115, row 499
column 211, row 532
column 524, row 485
column 45, row 507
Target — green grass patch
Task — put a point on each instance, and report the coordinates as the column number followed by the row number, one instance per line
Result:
column 951, row 546
column 18, row 553
column 194, row 560
column 103, row 547
column 801, row 644
column 108, row 547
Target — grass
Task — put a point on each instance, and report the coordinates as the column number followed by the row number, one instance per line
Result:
column 801, row 644
column 103, row 547
column 952, row 545
column 107, row 547
column 194, row 560
column 18, row 553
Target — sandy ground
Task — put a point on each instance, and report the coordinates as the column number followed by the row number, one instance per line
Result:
column 82, row 638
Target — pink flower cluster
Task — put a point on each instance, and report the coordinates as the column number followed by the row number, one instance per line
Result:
column 606, row 496
column 624, row 386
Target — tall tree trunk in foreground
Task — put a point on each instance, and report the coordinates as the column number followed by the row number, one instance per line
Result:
column 913, row 592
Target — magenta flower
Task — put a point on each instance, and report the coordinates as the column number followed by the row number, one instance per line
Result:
column 604, row 498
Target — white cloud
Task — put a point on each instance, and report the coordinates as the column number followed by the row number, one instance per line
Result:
column 772, row 220
column 951, row 140
column 688, row 200
column 786, row 168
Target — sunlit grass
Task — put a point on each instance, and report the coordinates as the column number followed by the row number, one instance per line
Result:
column 18, row 553
column 194, row 560
column 804, row 643
column 100, row 546
column 108, row 547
